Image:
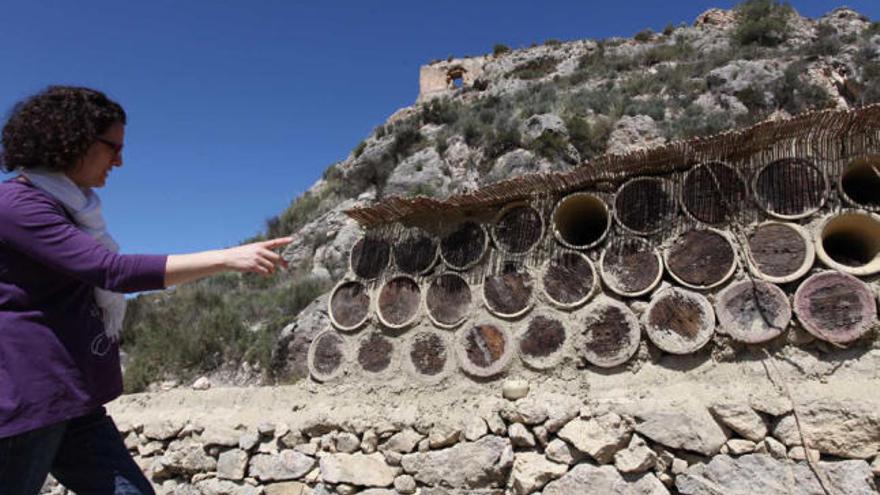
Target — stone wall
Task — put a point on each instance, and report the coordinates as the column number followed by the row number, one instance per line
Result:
column 546, row 443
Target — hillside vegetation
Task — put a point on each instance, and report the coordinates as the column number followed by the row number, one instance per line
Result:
column 544, row 108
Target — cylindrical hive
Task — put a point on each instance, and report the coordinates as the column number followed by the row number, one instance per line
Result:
column 327, row 356
column 860, row 182
column 610, row 333
column 713, row 192
column 850, row 242
column 568, row 279
column 369, row 257
column 835, row 306
column 679, row 321
column 644, row 205
column 509, row 293
column 780, row 252
column 349, row 305
column 790, row 188
column 427, row 356
column 398, row 302
column 581, row 220
column 701, row 259
column 542, row 341
column 415, row 253
column 484, row 349
column 448, row 300
column 752, row 311
column 518, row 228
column 631, row 267
column 465, row 246
column 375, row 353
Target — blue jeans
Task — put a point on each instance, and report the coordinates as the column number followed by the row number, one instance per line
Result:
column 86, row 454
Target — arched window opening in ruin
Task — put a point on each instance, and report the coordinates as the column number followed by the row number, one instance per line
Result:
column 455, row 77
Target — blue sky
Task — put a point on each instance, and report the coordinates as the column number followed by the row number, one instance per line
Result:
column 235, row 108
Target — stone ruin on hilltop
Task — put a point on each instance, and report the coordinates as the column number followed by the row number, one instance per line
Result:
column 736, row 236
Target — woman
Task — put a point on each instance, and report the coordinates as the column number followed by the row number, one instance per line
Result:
column 60, row 304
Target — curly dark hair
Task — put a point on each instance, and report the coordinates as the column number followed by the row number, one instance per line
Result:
column 54, row 128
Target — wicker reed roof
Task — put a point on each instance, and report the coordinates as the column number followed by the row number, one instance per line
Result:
column 817, row 129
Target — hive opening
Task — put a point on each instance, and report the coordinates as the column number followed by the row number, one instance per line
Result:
column 581, row 220
column 860, row 182
column 448, row 299
column 851, row 242
column 790, row 188
column 713, row 193
column 428, row 354
column 644, row 205
column 375, row 352
column 369, row 257
column 463, row 247
column 398, row 302
column 518, row 228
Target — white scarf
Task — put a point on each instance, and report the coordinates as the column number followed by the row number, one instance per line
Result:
column 85, row 206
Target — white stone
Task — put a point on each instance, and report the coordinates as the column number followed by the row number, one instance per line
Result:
column 531, row 471
column 637, row 457
column 739, row 446
column 848, row 429
column 560, row 451
column 693, row 430
column 762, row 474
column 404, row 441
column 369, row 442
column 443, row 435
column 481, row 464
column 741, row 419
column 347, row 442
column 475, row 428
column 202, row 383
column 286, row 465
column 358, row 469
column 599, row 437
column 232, row 464
column 520, row 436
column 604, row 480
column 514, row 389
column 405, row 484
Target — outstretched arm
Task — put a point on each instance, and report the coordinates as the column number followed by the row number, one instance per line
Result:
column 257, row 257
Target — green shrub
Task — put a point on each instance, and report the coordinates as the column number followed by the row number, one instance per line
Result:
column 795, row 95
column 202, row 326
column 695, row 121
column 480, row 84
column 754, row 99
column 669, row 29
column 870, row 83
column 500, row 49
column 406, row 136
column 827, row 42
column 552, row 42
column 872, row 30
column 535, row 68
column 501, row 139
column 359, row 149
column 589, row 140
column 440, row 111
column 762, row 22
column 380, row 132
column 652, row 107
column 441, row 145
column 644, row 35
column 550, row 145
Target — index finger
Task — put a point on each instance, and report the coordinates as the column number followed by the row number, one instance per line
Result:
column 277, row 242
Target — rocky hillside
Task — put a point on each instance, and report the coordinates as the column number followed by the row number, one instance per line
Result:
column 544, row 108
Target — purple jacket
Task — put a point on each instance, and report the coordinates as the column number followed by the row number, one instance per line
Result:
column 55, row 363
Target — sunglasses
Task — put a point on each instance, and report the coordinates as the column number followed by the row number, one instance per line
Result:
column 116, row 147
